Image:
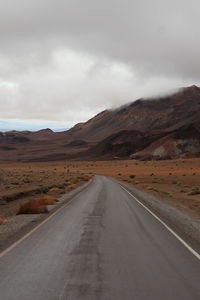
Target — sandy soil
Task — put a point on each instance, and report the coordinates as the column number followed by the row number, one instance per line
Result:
column 171, row 181
column 22, row 182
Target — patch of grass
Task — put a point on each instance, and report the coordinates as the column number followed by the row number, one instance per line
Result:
column 194, row 191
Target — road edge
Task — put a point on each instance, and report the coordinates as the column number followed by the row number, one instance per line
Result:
column 182, row 224
column 29, row 228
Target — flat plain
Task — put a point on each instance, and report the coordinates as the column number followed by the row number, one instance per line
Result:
column 176, row 182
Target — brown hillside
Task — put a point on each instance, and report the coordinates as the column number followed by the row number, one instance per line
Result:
column 162, row 128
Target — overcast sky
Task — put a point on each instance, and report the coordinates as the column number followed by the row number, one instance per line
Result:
column 63, row 61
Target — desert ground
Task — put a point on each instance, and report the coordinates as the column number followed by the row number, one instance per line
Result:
column 176, row 182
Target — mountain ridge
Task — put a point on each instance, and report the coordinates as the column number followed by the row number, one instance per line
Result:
column 157, row 128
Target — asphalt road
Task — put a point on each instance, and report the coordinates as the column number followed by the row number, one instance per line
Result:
column 103, row 245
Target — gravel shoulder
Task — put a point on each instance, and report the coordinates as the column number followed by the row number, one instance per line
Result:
column 184, row 225
column 19, row 225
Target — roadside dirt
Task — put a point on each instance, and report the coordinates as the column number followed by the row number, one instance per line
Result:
column 171, row 181
column 21, row 183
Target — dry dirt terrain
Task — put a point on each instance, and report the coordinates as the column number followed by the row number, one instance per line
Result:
column 175, row 181
column 20, row 183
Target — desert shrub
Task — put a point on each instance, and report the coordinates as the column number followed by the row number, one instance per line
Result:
column 85, row 178
column 71, row 187
column 54, row 189
column 32, row 207
column 174, row 182
column 15, row 182
column 136, row 182
column 59, row 186
column 119, row 174
column 43, row 189
column 46, row 200
column 2, row 221
column 132, row 176
column 150, row 188
column 194, row 191
column 26, row 180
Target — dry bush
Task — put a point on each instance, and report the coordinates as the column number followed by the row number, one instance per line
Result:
column 71, row 187
column 73, row 180
column 54, row 189
column 85, row 178
column 46, row 200
column 127, row 180
column 32, row 207
column 136, row 182
column 2, row 221
column 150, row 188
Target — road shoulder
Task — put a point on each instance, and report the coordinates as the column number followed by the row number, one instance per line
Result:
column 187, row 227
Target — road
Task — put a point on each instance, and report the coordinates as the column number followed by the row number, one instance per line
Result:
column 102, row 246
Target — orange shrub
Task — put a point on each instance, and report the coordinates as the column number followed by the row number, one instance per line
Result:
column 85, row 178
column 54, row 189
column 136, row 182
column 71, row 187
column 2, row 221
column 46, row 200
column 32, row 207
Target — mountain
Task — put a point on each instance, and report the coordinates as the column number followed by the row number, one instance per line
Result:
column 160, row 128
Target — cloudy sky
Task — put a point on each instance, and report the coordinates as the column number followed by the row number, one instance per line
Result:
column 63, row 61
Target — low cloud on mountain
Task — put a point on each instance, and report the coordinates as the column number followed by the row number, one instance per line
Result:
column 66, row 60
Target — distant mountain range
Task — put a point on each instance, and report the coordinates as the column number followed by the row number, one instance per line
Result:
column 160, row 128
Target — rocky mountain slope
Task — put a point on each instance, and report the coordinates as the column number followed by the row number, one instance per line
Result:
column 167, row 127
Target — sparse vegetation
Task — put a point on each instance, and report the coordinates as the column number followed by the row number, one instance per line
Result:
column 71, row 187
column 26, row 180
column 194, row 191
column 15, row 182
column 43, row 189
column 60, row 186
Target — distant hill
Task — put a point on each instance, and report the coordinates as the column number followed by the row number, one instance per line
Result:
column 160, row 128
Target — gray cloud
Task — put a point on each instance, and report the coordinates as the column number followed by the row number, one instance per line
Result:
column 66, row 60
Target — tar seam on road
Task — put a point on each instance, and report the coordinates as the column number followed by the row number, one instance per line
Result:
column 197, row 255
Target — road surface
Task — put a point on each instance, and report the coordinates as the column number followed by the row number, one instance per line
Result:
column 102, row 246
